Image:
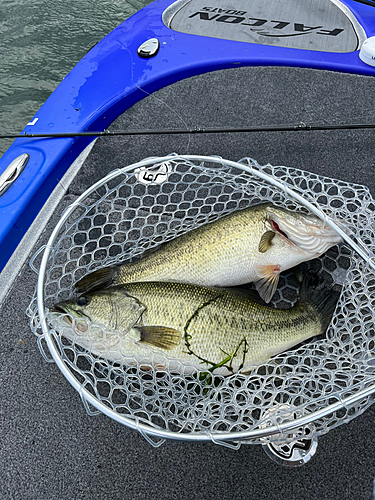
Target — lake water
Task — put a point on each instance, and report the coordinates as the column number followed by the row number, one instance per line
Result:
column 40, row 42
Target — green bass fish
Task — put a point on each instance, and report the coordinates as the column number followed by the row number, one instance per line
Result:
column 191, row 327
column 251, row 245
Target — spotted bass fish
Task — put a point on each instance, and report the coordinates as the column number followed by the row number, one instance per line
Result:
column 191, row 327
column 251, row 245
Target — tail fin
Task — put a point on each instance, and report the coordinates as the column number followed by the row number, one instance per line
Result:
column 323, row 299
column 101, row 278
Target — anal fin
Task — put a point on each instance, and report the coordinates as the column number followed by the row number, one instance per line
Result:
column 267, row 282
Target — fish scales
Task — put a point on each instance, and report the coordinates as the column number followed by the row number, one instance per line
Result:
column 196, row 256
column 251, row 245
column 207, row 328
column 225, row 321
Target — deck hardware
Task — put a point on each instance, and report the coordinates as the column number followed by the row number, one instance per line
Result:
column 149, row 48
column 292, row 454
column 367, row 52
column 329, row 27
column 12, row 172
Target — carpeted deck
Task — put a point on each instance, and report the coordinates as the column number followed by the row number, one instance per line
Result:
column 50, row 448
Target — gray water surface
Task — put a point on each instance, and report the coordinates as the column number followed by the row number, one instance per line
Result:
column 40, row 42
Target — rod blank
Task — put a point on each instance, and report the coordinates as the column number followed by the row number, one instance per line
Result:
column 301, row 127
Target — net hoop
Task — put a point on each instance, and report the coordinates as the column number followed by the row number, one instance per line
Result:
column 282, row 428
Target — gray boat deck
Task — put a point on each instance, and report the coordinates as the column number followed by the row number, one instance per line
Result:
column 50, row 448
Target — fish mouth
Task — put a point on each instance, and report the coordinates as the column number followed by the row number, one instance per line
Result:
column 58, row 309
column 312, row 236
column 67, row 316
column 71, row 320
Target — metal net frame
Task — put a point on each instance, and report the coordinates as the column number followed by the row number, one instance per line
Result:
column 303, row 392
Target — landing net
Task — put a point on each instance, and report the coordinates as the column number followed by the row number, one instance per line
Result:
column 302, row 392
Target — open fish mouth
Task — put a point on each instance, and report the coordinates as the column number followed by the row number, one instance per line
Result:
column 310, row 235
column 79, row 323
column 58, row 309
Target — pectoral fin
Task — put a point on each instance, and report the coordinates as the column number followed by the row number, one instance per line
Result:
column 265, row 241
column 159, row 336
column 267, row 282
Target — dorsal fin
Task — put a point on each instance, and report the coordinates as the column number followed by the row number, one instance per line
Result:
column 247, row 293
column 101, row 278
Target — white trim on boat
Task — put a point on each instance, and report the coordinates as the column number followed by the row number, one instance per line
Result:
column 25, row 247
column 172, row 10
column 360, row 32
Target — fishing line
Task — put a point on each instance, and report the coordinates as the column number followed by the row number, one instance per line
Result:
column 301, row 127
column 173, row 110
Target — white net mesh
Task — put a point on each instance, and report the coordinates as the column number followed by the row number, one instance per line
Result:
column 134, row 210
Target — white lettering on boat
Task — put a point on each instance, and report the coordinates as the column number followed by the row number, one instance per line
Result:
column 269, row 28
column 33, row 122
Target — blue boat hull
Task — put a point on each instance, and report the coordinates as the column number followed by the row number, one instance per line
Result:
column 112, row 77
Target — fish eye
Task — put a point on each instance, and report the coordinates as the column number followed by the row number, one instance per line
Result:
column 83, row 301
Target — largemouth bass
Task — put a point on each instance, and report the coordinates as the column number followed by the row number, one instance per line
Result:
column 213, row 329
column 251, row 245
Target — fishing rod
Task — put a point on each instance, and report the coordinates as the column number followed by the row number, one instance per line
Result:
column 277, row 128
